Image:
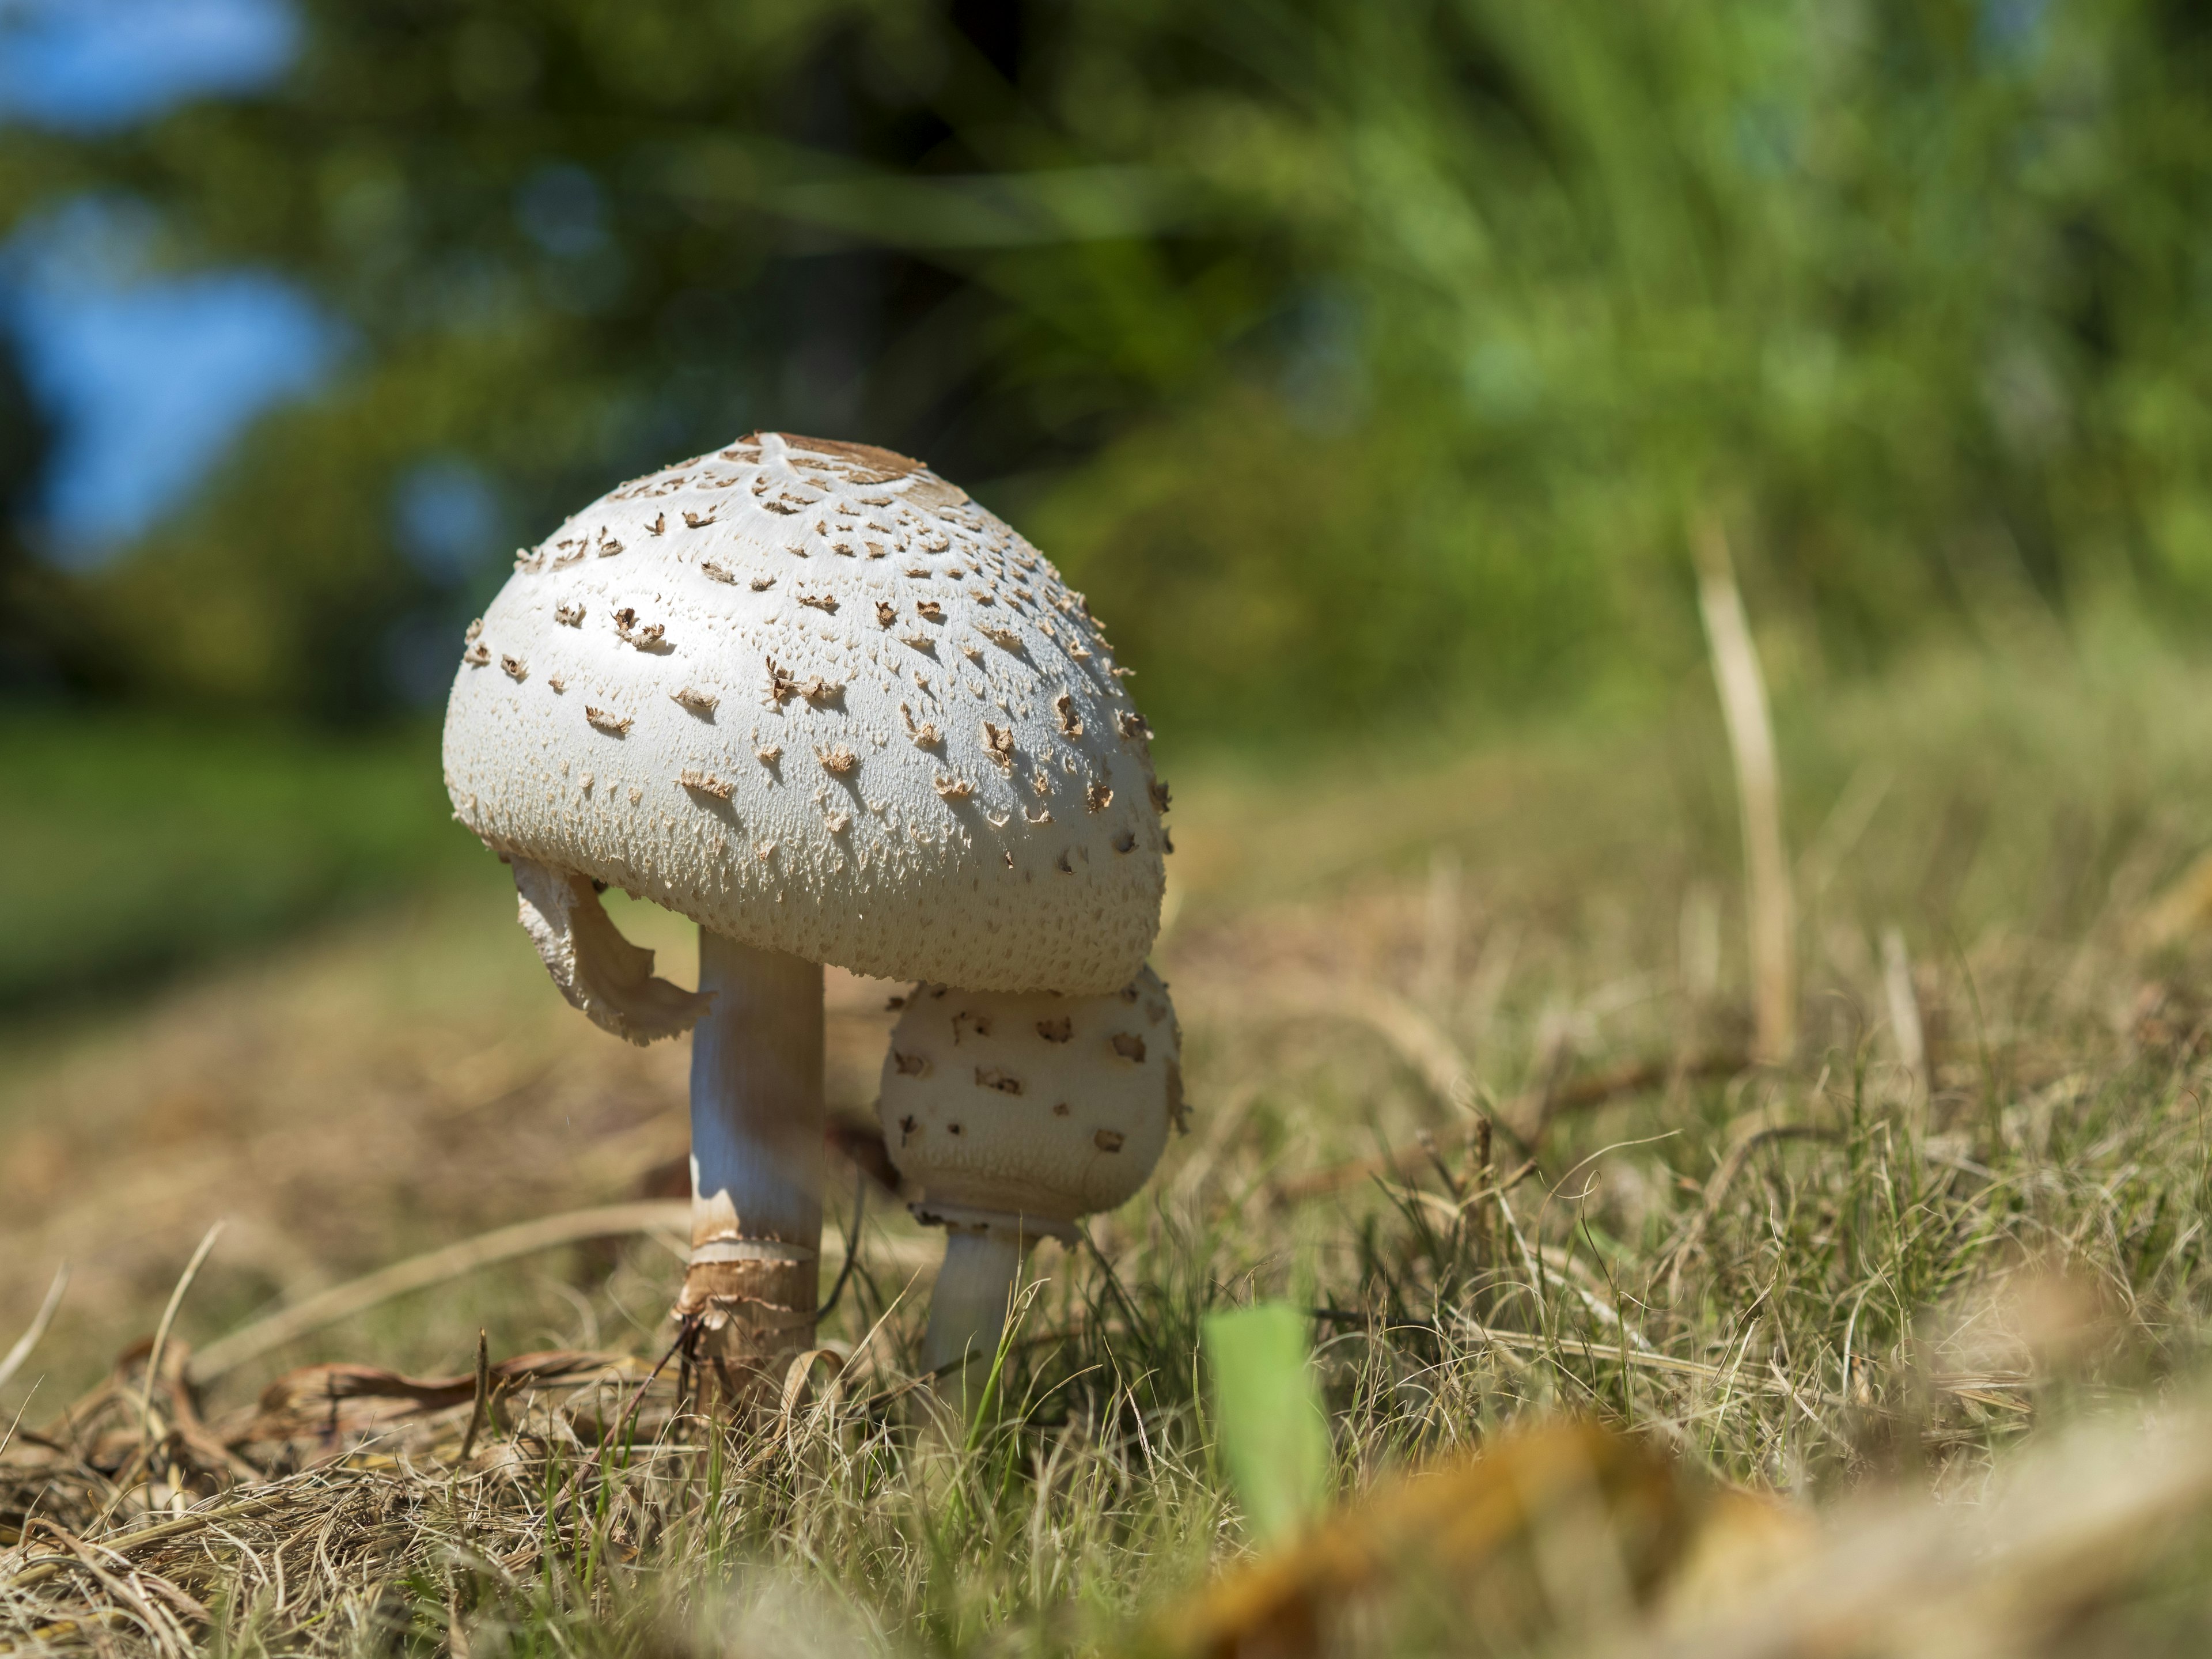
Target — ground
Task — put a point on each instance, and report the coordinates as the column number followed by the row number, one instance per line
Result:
column 1859, row 1274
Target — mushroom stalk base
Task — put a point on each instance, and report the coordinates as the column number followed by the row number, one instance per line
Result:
column 968, row 1311
column 757, row 1167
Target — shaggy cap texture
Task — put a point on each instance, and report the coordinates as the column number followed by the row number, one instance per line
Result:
column 1043, row 1107
column 811, row 696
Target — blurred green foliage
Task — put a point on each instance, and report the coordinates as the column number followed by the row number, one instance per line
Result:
column 1360, row 359
column 137, row 843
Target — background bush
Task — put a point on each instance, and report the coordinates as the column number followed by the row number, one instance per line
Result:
column 1362, row 361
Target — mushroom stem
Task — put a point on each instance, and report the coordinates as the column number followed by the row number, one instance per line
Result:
column 968, row 1309
column 756, row 1163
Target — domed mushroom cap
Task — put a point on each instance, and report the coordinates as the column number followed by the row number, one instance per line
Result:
column 1044, row 1107
column 811, row 696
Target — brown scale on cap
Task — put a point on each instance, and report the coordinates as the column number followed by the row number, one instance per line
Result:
column 886, row 613
column 1097, row 797
column 514, row 667
column 1132, row 724
column 717, row 572
column 954, row 789
column 569, row 616
column 1109, row 1140
column 646, row 636
column 819, row 601
column 614, row 724
column 1056, row 1030
column 1063, row 709
column 924, row 734
column 838, row 761
column 706, row 783
column 1159, row 794
column 769, row 754
column 697, row 520
column 999, row 745
column 658, row 526
column 990, row 1077
column 698, row 701
column 930, row 610
column 1128, row 1046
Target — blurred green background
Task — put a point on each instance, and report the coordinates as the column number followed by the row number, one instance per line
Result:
column 1368, row 363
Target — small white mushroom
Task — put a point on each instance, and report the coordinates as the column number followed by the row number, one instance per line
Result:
column 1015, row 1117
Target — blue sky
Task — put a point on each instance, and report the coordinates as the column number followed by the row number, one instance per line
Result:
column 150, row 377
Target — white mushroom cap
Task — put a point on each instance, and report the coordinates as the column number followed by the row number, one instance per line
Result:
column 811, row 696
column 1033, row 1107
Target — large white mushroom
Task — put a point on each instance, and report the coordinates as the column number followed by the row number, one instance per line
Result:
column 1014, row 1115
column 810, row 696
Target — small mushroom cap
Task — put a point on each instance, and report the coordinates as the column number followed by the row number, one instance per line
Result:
column 1043, row 1107
column 811, row 696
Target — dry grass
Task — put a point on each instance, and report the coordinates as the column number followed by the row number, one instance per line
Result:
column 1864, row 1278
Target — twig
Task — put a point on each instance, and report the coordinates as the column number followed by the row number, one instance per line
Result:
column 39, row 1321
column 484, row 1395
column 419, row 1273
column 1534, row 1111
column 1772, row 919
column 162, row 1331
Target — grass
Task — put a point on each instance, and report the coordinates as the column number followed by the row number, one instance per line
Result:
column 1854, row 1285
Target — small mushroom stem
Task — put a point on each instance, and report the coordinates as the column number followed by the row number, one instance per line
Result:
column 968, row 1309
column 757, row 1166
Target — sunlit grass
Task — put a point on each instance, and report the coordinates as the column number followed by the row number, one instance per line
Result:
column 1837, row 1277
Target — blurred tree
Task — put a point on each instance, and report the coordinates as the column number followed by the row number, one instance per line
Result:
column 1358, row 357
column 34, row 617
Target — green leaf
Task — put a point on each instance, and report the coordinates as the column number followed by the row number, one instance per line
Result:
column 1268, row 1421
